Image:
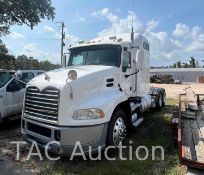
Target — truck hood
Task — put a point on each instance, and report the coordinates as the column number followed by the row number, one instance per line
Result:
column 58, row 77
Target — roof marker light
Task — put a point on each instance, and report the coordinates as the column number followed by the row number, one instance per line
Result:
column 112, row 38
column 119, row 40
column 81, row 42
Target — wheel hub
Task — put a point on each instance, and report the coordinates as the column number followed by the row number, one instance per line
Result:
column 119, row 131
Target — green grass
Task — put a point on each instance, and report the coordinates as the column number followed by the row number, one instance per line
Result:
column 154, row 131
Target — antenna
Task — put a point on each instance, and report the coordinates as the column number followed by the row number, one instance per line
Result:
column 132, row 32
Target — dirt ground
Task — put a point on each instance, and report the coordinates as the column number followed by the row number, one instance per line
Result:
column 173, row 90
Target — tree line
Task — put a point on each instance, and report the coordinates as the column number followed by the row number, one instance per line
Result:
column 10, row 62
column 191, row 63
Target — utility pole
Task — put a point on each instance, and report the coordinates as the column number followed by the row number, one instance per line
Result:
column 62, row 41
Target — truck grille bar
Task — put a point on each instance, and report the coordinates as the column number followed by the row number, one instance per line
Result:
column 42, row 105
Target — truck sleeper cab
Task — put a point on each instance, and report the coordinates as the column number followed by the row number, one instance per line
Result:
column 12, row 91
column 101, row 92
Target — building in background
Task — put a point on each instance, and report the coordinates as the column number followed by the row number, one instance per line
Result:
column 182, row 74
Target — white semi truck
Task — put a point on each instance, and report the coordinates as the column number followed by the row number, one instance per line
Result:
column 101, row 92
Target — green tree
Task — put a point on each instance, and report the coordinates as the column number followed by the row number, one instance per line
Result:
column 185, row 65
column 174, row 65
column 47, row 65
column 28, row 12
column 34, row 63
column 22, row 62
column 3, row 49
column 7, row 61
column 192, row 62
column 178, row 64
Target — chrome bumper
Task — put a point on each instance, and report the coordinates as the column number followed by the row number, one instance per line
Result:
column 67, row 136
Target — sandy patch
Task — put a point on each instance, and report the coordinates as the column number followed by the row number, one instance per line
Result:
column 173, row 90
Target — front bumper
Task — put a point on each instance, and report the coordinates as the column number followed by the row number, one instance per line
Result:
column 42, row 133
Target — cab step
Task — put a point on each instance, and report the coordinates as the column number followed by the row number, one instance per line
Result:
column 138, row 122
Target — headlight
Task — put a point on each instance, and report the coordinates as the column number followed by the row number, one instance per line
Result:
column 88, row 114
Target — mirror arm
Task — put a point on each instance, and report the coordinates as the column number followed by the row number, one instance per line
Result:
column 22, row 81
column 18, row 79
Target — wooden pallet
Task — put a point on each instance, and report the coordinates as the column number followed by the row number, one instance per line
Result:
column 191, row 131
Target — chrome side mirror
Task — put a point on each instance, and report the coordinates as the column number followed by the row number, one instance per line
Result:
column 18, row 76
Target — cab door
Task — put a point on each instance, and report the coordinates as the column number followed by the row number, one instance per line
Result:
column 126, row 77
column 14, row 97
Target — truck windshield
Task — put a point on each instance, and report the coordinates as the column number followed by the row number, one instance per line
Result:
column 5, row 77
column 108, row 55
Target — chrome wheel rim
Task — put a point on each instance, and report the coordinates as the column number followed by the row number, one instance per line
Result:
column 119, row 131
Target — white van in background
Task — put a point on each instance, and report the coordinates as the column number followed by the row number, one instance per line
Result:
column 12, row 91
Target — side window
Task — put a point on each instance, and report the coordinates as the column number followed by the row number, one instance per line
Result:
column 15, row 85
column 126, row 61
column 27, row 76
column 40, row 73
column 146, row 46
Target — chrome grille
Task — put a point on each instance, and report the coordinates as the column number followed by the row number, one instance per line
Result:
column 42, row 105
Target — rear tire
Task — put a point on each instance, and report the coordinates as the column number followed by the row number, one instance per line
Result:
column 117, row 128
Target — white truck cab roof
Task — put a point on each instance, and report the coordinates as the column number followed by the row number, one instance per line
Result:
column 121, row 39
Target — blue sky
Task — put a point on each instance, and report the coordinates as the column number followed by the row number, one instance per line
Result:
column 175, row 29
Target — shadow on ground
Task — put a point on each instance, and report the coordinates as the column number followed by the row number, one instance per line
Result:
column 10, row 125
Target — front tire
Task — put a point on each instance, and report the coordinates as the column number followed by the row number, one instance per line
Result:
column 117, row 128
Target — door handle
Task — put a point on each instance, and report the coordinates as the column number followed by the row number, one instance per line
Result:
column 126, row 76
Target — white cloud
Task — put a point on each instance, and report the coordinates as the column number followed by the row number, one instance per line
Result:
column 192, row 39
column 181, row 43
column 82, row 19
column 16, row 36
column 182, row 30
column 32, row 50
column 197, row 45
column 49, row 29
column 79, row 18
column 196, row 31
column 163, row 47
column 69, row 38
column 151, row 25
column 105, row 13
column 118, row 25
